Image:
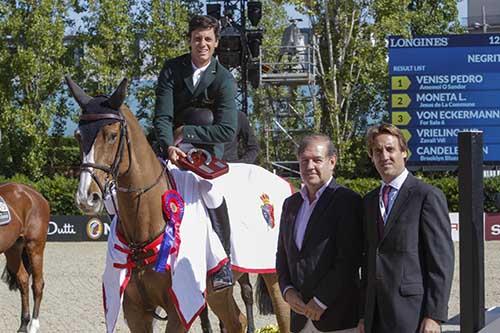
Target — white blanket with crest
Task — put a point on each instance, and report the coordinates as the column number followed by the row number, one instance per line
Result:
column 254, row 197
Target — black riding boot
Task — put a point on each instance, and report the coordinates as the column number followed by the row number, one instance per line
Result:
column 219, row 218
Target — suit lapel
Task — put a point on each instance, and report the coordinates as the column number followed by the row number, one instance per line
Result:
column 373, row 212
column 206, row 79
column 321, row 207
column 295, row 204
column 400, row 203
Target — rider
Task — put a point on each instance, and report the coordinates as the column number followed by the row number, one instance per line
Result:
column 187, row 85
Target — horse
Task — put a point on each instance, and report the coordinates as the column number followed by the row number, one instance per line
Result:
column 22, row 241
column 121, row 155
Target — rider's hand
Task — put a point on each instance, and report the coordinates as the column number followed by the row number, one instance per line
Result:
column 174, row 154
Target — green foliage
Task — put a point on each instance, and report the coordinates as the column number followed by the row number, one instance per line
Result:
column 491, row 188
column 449, row 186
column 268, row 329
column 30, row 58
column 108, row 42
column 59, row 191
column 162, row 27
column 360, row 185
column 63, row 157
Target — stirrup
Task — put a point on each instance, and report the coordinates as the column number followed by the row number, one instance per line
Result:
column 223, row 278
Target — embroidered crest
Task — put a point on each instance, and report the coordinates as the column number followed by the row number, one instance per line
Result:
column 267, row 210
column 4, row 212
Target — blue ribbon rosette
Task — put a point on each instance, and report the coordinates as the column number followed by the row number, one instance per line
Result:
column 173, row 209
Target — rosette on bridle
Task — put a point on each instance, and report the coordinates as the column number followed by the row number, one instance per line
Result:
column 173, row 210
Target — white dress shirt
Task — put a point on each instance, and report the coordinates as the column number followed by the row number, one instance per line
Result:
column 198, row 72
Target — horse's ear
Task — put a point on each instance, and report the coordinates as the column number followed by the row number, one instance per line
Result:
column 116, row 100
column 79, row 95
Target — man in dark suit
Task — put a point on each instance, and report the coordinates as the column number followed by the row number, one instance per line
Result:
column 244, row 148
column 195, row 105
column 320, row 245
column 409, row 254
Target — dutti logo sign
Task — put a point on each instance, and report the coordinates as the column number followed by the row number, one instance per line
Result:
column 64, row 229
column 72, row 228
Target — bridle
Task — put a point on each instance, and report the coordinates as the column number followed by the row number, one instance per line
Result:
column 114, row 169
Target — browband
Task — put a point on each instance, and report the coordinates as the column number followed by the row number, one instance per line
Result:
column 100, row 116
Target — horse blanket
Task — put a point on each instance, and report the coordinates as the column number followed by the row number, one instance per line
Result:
column 254, row 198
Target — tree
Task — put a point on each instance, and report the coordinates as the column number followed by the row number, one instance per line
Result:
column 352, row 55
column 30, row 58
column 107, row 38
column 162, row 26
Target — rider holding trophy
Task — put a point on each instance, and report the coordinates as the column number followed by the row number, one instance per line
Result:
column 195, row 106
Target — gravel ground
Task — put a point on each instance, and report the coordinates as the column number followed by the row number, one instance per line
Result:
column 72, row 297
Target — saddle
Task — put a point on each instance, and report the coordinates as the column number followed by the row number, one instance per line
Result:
column 4, row 212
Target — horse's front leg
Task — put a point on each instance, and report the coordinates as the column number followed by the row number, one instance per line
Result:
column 281, row 308
column 224, row 306
column 138, row 319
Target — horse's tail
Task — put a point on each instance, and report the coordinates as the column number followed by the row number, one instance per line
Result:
column 26, row 261
column 10, row 278
column 264, row 302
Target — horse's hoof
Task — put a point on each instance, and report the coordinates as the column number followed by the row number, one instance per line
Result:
column 23, row 329
column 33, row 326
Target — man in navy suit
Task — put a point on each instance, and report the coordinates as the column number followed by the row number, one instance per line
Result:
column 320, row 245
column 409, row 258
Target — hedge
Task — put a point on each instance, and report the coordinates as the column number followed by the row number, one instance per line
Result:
column 60, row 190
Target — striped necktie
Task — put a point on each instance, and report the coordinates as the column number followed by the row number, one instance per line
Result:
column 385, row 200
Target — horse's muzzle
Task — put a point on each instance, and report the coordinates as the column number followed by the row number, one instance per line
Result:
column 92, row 204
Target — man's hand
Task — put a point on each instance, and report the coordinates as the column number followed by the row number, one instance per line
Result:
column 292, row 297
column 361, row 326
column 429, row 326
column 174, row 154
column 313, row 311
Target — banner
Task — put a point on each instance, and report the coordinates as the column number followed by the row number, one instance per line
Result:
column 75, row 228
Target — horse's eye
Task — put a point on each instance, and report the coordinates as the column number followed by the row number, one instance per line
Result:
column 112, row 137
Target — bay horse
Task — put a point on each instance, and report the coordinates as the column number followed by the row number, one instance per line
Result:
column 22, row 241
column 118, row 152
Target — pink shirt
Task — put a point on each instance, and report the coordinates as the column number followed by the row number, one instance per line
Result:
column 305, row 212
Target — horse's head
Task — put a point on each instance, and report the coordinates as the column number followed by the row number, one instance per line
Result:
column 102, row 136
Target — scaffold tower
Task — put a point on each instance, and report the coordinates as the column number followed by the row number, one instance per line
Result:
column 289, row 78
